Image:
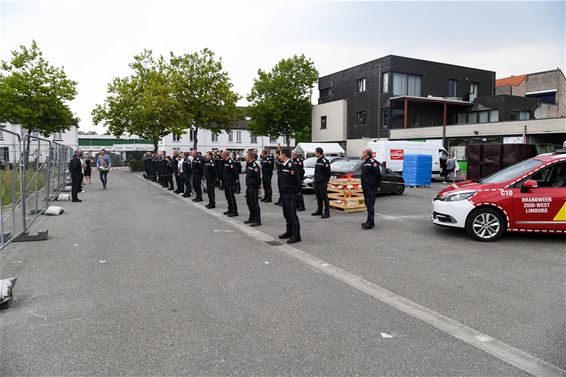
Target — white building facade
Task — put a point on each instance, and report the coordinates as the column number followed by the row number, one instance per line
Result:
column 9, row 148
column 238, row 140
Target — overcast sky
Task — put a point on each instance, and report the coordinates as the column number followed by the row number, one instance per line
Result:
column 95, row 41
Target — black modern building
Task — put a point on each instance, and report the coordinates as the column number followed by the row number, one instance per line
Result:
column 400, row 92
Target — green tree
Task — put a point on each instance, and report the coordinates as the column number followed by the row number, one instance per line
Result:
column 34, row 93
column 142, row 104
column 280, row 100
column 203, row 92
column 87, row 133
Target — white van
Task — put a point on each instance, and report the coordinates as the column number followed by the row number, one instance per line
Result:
column 391, row 153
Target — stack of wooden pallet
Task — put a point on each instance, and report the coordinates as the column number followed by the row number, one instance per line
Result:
column 346, row 195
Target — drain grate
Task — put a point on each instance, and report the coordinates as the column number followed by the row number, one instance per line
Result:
column 273, row 243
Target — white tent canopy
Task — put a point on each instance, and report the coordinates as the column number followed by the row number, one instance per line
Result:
column 330, row 149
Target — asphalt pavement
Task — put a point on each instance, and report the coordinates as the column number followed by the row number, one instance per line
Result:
column 139, row 281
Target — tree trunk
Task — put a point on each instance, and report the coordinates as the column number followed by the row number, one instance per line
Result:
column 155, row 145
column 196, row 139
column 288, row 141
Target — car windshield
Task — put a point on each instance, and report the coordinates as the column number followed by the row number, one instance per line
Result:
column 309, row 162
column 345, row 165
column 511, row 172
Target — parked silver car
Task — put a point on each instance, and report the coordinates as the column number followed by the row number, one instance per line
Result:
column 309, row 171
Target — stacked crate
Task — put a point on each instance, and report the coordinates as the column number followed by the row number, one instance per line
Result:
column 346, row 195
column 417, row 170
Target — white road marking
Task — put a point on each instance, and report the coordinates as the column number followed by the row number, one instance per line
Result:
column 386, row 335
column 102, row 261
column 503, row 351
column 266, row 262
column 223, row 230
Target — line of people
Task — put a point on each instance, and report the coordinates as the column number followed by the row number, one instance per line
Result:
column 222, row 170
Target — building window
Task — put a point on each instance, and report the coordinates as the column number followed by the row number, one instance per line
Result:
column 272, row 140
column 483, row 117
column 361, row 85
column 253, row 139
column 524, row 115
column 494, row 116
column 192, row 134
column 385, row 82
column 462, row 117
column 472, row 117
column 57, row 136
column 452, row 88
column 323, row 122
column 474, row 88
column 238, row 136
column 545, row 97
column 230, row 136
column 325, row 92
column 176, row 137
column 1, row 135
column 360, row 118
column 214, row 137
column 406, row 85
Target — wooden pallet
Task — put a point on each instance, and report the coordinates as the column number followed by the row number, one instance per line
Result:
column 347, row 208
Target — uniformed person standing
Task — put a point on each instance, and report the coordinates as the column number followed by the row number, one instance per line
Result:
column 187, row 172
column 298, row 161
column 75, row 169
column 321, row 178
column 267, row 163
column 198, row 171
column 289, row 188
column 168, row 172
column 229, row 179
column 371, row 177
column 279, row 166
column 210, row 177
column 219, row 165
column 253, row 184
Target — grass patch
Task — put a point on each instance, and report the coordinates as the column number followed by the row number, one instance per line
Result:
column 6, row 182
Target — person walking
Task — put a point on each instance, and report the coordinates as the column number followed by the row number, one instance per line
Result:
column 298, row 161
column 210, row 177
column 289, row 189
column 450, row 168
column 370, row 179
column 88, row 170
column 267, row 163
column 198, row 171
column 75, row 169
column 229, row 179
column 253, row 184
column 104, row 164
column 321, row 178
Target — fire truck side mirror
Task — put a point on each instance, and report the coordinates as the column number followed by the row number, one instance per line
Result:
column 530, row 184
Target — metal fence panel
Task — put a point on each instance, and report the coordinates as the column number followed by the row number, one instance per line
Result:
column 34, row 175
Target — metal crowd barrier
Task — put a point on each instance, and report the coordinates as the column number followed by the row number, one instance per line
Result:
column 33, row 175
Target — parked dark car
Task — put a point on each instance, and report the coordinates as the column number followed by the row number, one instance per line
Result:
column 391, row 183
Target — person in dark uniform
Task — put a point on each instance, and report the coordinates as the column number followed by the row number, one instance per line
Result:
column 159, row 166
column 298, row 161
column 219, row 165
column 210, row 177
column 238, row 164
column 146, row 158
column 279, row 166
column 76, row 170
column 371, row 177
column 153, row 167
column 175, row 171
column 198, row 171
column 267, row 163
column 168, row 172
column 289, row 189
column 321, row 178
column 253, row 184
column 187, row 172
column 229, row 177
